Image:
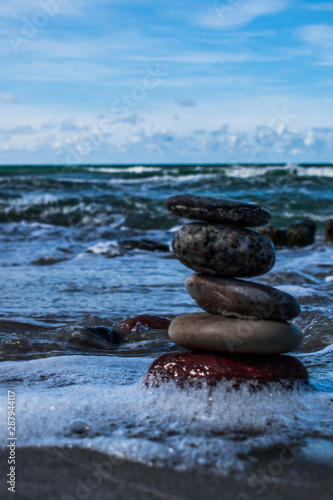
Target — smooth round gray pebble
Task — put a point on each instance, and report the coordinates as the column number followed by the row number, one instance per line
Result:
column 223, row 250
column 211, row 332
column 241, row 299
column 216, row 211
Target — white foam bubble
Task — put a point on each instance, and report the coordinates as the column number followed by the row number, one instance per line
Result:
column 315, row 171
column 107, row 248
column 166, row 425
column 298, row 291
column 137, row 169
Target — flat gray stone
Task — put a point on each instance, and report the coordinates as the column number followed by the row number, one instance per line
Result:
column 223, row 250
column 212, row 332
column 241, row 299
column 217, row 211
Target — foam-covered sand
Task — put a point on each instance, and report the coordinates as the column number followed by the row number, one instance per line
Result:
column 72, row 409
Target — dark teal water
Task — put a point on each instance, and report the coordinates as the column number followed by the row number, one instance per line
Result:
column 69, row 238
column 85, row 246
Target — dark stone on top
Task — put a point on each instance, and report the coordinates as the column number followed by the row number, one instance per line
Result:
column 217, row 211
column 329, row 231
column 241, row 299
column 187, row 368
column 223, row 250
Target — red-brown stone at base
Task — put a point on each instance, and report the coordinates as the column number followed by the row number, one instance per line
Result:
column 187, row 368
column 140, row 327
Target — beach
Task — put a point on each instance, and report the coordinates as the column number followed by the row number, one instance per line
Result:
column 73, row 473
column 83, row 247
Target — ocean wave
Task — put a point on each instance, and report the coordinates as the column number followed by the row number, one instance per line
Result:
column 109, row 249
column 315, row 171
column 139, row 169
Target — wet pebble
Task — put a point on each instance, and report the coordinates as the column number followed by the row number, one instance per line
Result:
column 144, row 244
column 212, row 332
column 241, row 299
column 48, row 261
column 217, row 211
column 80, row 427
column 140, row 327
column 300, row 234
column 277, row 235
column 185, row 368
column 329, row 231
column 223, row 250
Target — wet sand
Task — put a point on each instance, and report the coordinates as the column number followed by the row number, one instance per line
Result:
column 47, row 473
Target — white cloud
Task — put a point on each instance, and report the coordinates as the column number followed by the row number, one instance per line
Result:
column 319, row 38
column 323, row 6
column 319, row 35
column 68, row 141
column 7, row 97
column 235, row 14
column 15, row 9
column 60, row 71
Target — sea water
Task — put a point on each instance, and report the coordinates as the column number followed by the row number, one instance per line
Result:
column 86, row 246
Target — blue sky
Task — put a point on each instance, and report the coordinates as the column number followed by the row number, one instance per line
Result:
column 125, row 81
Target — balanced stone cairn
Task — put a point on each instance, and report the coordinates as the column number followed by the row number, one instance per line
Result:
column 242, row 318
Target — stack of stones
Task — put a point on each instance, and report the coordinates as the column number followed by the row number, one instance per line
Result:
column 242, row 317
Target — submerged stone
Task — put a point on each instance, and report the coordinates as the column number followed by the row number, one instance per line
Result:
column 241, row 299
column 217, row 211
column 277, row 235
column 144, row 244
column 310, row 224
column 48, row 261
column 212, row 332
column 300, row 234
column 103, row 332
column 268, row 232
column 223, row 250
column 280, row 237
column 329, row 231
column 140, row 327
column 187, row 368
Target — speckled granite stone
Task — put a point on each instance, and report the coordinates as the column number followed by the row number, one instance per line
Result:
column 241, row 299
column 218, row 211
column 212, row 332
column 223, row 250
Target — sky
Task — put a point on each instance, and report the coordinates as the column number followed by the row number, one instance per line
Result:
column 132, row 82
